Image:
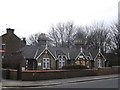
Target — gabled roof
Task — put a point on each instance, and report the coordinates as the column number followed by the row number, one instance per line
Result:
column 6, row 35
column 46, row 48
column 93, row 53
column 84, row 53
column 99, row 53
column 30, row 51
column 73, row 53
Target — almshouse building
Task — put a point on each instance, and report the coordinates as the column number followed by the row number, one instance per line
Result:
column 42, row 56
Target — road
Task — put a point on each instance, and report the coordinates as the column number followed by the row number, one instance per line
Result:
column 106, row 83
column 109, row 83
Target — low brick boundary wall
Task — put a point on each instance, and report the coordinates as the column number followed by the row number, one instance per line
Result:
column 9, row 74
column 13, row 74
column 58, row 74
column 108, row 70
column 5, row 74
column 36, row 75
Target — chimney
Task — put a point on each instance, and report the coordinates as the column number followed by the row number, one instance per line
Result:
column 10, row 31
column 79, row 43
column 42, row 35
column 24, row 40
column 42, row 39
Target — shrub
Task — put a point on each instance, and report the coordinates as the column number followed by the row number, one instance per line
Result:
column 74, row 67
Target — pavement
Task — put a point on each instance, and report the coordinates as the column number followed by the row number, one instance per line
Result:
column 15, row 83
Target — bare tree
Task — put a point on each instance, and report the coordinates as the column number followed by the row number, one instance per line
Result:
column 53, row 35
column 80, row 36
column 115, row 28
column 99, row 37
column 62, row 34
column 70, row 30
column 61, row 30
column 33, row 39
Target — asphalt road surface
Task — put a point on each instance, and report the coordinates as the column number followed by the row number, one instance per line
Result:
column 109, row 83
column 106, row 83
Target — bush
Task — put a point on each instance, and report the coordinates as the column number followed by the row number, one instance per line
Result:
column 74, row 67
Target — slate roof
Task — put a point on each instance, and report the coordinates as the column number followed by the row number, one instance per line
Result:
column 93, row 53
column 30, row 51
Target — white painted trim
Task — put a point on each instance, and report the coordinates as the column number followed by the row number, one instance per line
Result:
column 69, row 56
column 98, row 54
column 79, row 54
column 36, row 53
column 63, row 55
column 44, row 51
column 55, row 56
column 87, row 58
column 62, row 61
column 46, row 63
column 99, row 63
column 90, row 56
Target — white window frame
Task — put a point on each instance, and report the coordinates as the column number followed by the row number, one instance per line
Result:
column 61, row 62
column 99, row 63
column 87, row 63
column 46, row 63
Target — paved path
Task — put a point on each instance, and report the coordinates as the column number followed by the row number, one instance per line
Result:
column 14, row 83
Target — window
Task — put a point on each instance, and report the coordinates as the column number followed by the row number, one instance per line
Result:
column 87, row 63
column 46, row 63
column 23, row 68
column 61, row 61
column 99, row 63
column 39, row 64
column 80, row 61
column 81, row 57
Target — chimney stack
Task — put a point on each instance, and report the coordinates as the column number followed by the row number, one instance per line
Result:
column 10, row 31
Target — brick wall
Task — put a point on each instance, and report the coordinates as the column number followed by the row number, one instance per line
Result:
column 108, row 70
column 58, row 74
column 13, row 74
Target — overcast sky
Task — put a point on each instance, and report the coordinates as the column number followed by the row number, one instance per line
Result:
column 31, row 16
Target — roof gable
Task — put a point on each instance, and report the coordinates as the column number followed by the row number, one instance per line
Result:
column 46, row 49
column 81, row 54
column 99, row 54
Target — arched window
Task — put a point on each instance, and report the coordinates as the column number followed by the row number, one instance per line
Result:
column 61, row 61
column 87, row 63
column 99, row 63
column 46, row 63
